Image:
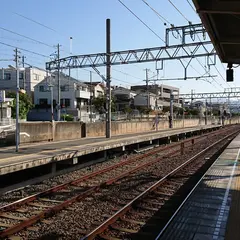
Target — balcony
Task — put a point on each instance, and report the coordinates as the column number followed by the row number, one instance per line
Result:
column 82, row 94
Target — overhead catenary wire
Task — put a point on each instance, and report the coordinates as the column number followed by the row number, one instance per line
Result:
column 177, row 32
column 200, row 41
column 141, row 21
column 210, row 58
column 178, row 10
column 163, row 19
column 191, row 6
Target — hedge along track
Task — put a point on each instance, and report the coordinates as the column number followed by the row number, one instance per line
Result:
column 146, row 214
column 49, row 202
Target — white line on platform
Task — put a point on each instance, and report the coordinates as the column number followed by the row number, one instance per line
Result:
column 224, row 202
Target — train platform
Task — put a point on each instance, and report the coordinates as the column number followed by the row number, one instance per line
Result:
column 212, row 211
column 37, row 154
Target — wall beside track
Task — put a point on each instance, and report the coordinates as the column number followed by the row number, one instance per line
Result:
column 56, row 131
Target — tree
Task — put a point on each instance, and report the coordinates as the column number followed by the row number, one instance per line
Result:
column 100, row 104
column 167, row 109
column 25, row 104
column 128, row 110
column 144, row 110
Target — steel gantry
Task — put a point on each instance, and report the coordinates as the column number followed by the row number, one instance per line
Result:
column 185, row 50
column 225, row 94
column 174, row 52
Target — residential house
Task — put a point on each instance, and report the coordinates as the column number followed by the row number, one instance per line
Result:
column 123, row 98
column 28, row 78
column 74, row 95
column 97, row 88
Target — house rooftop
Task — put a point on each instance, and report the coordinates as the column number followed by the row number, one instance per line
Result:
column 53, row 80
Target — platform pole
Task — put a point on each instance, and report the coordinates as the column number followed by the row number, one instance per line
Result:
column 108, row 79
column 171, row 110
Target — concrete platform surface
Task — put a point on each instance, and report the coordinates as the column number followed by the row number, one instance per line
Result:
column 37, row 154
column 210, row 212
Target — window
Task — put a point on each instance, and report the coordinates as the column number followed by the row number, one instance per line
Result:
column 41, row 89
column 7, row 76
column 36, row 76
column 67, row 102
column 165, row 90
column 21, row 75
column 43, row 101
column 65, row 88
column 99, row 93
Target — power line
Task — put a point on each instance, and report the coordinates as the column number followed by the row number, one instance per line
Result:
column 29, row 38
column 8, row 45
column 43, row 25
column 210, row 59
column 178, row 34
column 141, row 21
column 163, row 19
column 36, row 22
column 191, row 6
column 126, row 74
column 178, row 10
column 200, row 41
column 20, row 15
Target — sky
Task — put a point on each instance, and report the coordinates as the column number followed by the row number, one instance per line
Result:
column 41, row 25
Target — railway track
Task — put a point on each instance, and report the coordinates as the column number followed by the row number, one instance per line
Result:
column 27, row 211
column 148, row 213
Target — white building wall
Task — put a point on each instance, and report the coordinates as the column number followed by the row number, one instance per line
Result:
column 98, row 91
column 142, row 100
column 71, row 94
column 28, row 78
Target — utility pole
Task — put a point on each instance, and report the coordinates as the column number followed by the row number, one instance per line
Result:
column 23, row 65
column 108, row 78
column 206, row 112
column 91, row 96
column 171, row 110
column 59, row 86
column 147, row 85
column 191, row 97
column 211, row 117
column 156, row 92
column 17, row 100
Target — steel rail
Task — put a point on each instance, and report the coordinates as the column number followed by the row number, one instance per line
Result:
column 52, row 210
column 33, row 197
column 46, row 213
column 128, row 206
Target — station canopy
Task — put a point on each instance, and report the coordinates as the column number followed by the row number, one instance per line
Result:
column 221, row 19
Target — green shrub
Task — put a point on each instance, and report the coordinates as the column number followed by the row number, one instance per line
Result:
column 67, row 117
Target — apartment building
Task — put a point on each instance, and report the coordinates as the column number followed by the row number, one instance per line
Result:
column 162, row 91
column 123, row 97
